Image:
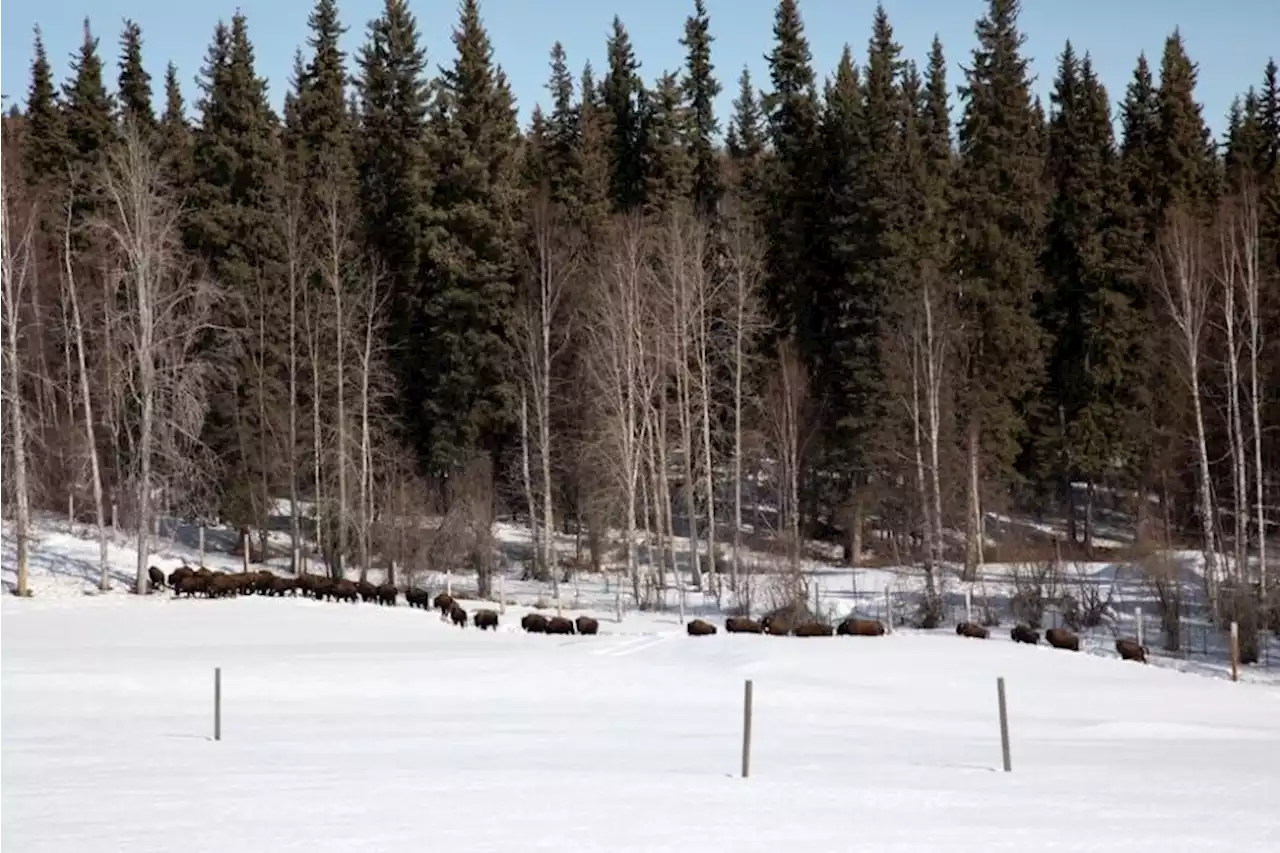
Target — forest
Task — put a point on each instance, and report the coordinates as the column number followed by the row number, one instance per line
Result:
column 831, row 314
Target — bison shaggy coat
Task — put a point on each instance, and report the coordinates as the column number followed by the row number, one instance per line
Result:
column 418, row 598
column 972, row 630
column 742, row 625
column 698, row 628
column 853, row 627
column 587, row 625
column 1061, row 638
column 367, row 591
column 534, row 623
column 1130, row 649
column 814, row 629
column 387, row 594
column 1025, row 634
column 559, row 625
column 156, row 577
column 443, row 602
column 458, row 615
column 485, row 619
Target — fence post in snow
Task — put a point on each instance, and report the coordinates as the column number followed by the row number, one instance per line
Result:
column 888, row 611
column 1137, row 621
column 202, row 545
column 448, row 583
column 746, row 730
column 617, row 602
column 71, row 511
column 115, row 519
column 244, row 540
column 1235, row 651
column 217, row 703
column 968, row 605
column 502, row 593
column 1004, row 725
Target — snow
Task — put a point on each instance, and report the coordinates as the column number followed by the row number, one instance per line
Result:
column 354, row 727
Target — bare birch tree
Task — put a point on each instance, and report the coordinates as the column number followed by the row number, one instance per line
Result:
column 744, row 255
column 167, row 313
column 335, row 233
column 372, row 372
column 86, row 402
column 18, row 274
column 1181, row 279
column 295, row 277
column 1229, row 269
column 789, row 414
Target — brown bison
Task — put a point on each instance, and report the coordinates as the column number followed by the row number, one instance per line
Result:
column 587, row 626
column 345, row 590
column 559, row 625
column 418, row 598
column 221, row 586
column 176, row 576
column 698, row 628
column 814, row 629
column 972, row 630
column 458, row 616
column 367, row 591
column 776, row 625
column 444, row 603
column 1061, row 638
column 284, row 586
column 190, row 585
column 387, row 594
column 534, row 623
column 156, row 577
column 742, row 625
column 1130, row 649
column 1025, row 634
column 485, row 619
column 855, row 627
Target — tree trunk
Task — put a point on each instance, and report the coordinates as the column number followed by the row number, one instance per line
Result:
column 22, row 515
column 935, row 353
column 146, row 380
column 977, row 542
column 540, row 568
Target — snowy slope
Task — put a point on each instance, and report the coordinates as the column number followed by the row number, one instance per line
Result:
column 352, row 727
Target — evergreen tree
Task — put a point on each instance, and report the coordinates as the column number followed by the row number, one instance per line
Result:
column 999, row 206
column 134, row 85
column 467, row 401
column 323, row 119
column 45, row 146
column 87, row 109
column 394, row 178
column 792, row 219
column 1184, row 151
column 745, row 143
column 937, row 152
column 700, row 91
column 174, row 139
column 623, row 97
column 593, row 157
column 668, row 163
column 561, row 132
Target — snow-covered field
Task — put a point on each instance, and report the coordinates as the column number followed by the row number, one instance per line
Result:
column 354, row 727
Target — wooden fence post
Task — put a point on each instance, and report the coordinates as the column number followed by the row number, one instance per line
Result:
column 502, row 593
column 1235, row 651
column 746, row 729
column 1137, row 621
column 217, row 703
column 968, row 605
column 888, row 611
column 1004, row 725
column 244, row 540
column 201, row 544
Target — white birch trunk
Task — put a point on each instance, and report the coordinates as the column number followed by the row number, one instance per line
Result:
column 16, row 269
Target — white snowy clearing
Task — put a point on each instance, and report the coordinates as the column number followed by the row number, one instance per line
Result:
column 355, row 727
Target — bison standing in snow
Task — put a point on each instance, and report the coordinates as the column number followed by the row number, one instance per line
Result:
column 1025, row 634
column 559, row 625
column 156, row 577
column 1061, row 638
column 457, row 615
column 587, row 625
column 485, row 619
column 1130, row 649
column 698, row 628
column 534, row 623
column 387, row 594
column 854, row 627
column 972, row 630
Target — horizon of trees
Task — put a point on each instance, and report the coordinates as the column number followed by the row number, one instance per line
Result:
column 635, row 314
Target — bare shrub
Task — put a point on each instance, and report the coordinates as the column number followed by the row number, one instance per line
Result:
column 1086, row 606
column 1163, row 575
column 1035, row 586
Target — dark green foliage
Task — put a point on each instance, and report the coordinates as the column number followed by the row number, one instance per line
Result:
column 623, row 100
column 323, row 119
column 745, row 143
column 999, row 206
column 134, row 86
column 87, row 111
column 700, row 91
column 45, row 145
column 668, row 161
column 174, row 139
column 1184, row 153
column 560, row 134
column 472, row 257
column 593, row 159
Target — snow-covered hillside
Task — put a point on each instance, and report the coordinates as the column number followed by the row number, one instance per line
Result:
column 355, row 727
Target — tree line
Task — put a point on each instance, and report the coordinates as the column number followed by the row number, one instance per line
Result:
column 831, row 314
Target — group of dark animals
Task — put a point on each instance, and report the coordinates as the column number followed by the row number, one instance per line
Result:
column 782, row 625
column 1059, row 638
column 203, row 582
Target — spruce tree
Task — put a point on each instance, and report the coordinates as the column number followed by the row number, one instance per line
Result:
column 669, row 165
column 623, row 100
column 700, row 91
column 593, row 159
column 1184, row 151
column 561, row 132
column 467, row 395
column 394, row 177
column 45, row 148
column 999, row 206
column 173, row 137
column 87, row 112
column 323, row 119
column 744, row 143
column 937, row 153
column 134, row 85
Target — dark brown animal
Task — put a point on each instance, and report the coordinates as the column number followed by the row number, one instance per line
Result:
column 776, row 625
column 345, row 590
column 485, row 619
column 559, row 625
column 443, row 602
column 1061, row 638
column 587, row 625
column 284, row 586
column 367, row 591
column 458, row 615
column 176, row 576
column 387, row 594
column 1024, row 634
column 742, row 625
column 191, row 585
column 156, row 577
column 972, row 630
column 534, row 623
column 1130, row 649
column 222, row 586
column 698, row 628
column 418, row 598
column 814, row 629
column 855, row 627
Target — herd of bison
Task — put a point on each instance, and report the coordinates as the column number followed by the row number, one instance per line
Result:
column 189, row 582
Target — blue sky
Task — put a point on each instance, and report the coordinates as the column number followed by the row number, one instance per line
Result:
column 1231, row 40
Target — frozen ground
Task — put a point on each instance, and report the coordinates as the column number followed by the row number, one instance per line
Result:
column 363, row 728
